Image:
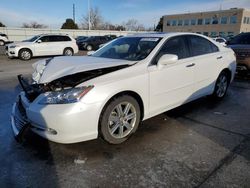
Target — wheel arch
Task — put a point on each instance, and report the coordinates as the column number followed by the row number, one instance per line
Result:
column 25, row 48
column 68, row 48
column 229, row 73
column 133, row 94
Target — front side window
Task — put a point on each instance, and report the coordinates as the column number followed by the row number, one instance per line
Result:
column 233, row 20
column 128, row 48
column 223, row 20
column 201, row 46
column 176, row 46
column 45, row 39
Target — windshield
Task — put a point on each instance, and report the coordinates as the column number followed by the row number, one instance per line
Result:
column 128, row 48
column 32, row 39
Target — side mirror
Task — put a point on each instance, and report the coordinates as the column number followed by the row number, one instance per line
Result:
column 39, row 41
column 89, row 53
column 167, row 59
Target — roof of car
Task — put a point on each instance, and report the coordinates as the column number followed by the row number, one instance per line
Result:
column 160, row 34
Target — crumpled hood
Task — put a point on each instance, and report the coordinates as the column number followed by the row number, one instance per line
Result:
column 52, row 69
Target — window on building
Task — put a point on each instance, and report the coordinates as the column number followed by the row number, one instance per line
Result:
column 186, row 22
column 248, row 20
column 193, row 22
column 200, row 21
column 174, row 22
column 233, row 19
column 207, row 21
column 213, row 34
column 168, row 22
column 180, row 22
column 223, row 20
column 245, row 20
column 205, row 33
column 215, row 20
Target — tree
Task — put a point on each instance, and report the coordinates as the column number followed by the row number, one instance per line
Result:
column 133, row 25
column 159, row 26
column 69, row 24
column 96, row 20
column 2, row 25
column 34, row 25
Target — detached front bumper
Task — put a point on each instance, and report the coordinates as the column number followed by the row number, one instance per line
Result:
column 11, row 52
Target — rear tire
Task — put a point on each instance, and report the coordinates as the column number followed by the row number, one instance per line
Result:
column 221, row 85
column 68, row 52
column 119, row 119
column 25, row 54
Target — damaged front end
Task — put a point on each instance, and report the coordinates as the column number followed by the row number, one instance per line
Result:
column 58, row 91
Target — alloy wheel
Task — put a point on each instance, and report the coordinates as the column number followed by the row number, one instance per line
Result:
column 122, row 120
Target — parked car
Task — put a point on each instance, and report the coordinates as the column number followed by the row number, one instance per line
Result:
column 3, row 39
column 80, row 40
column 93, row 42
column 43, row 45
column 74, row 99
column 241, row 46
column 220, row 40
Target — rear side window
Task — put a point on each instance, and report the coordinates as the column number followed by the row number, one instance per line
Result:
column 201, row 46
column 176, row 46
column 243, row 38
column 58, row 38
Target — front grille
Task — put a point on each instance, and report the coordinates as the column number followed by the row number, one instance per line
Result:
column 20, row 117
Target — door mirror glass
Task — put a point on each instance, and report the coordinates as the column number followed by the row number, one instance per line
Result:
column 39, row 41
column 168, row 59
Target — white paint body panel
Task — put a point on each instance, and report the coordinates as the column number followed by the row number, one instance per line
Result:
column 160, row 88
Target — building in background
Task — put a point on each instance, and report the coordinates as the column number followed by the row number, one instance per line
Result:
column 225, row 23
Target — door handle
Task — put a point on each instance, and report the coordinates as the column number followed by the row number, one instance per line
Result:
column 191, row 65
column 220, row 57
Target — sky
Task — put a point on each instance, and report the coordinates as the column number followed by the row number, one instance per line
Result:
column 53, row 13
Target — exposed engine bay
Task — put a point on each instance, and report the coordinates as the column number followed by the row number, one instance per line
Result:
column 33, row 90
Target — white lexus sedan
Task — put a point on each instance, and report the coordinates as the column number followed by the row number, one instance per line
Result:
column 42, row 45
column 107, row 94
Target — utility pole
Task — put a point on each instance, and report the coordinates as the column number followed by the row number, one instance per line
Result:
column 74, row 16
column 89, row 13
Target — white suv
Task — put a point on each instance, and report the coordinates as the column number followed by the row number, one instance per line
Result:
column 43, row 45
column 3, row 39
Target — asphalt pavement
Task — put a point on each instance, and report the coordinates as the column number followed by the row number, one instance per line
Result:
column 201, row 144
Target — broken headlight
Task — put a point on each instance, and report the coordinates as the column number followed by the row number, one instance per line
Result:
column 65, row 96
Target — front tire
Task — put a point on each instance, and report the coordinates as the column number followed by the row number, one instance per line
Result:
column 221, row 85
column 25, row 54
column 120, row 119
column 68, row 52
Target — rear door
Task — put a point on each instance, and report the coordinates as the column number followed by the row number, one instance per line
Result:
column 207, row 58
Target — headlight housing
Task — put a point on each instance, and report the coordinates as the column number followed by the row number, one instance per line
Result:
column 65, row 96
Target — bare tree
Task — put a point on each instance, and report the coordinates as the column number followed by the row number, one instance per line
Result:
column 133, row 25
column 34, row 25
column 96, row 20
